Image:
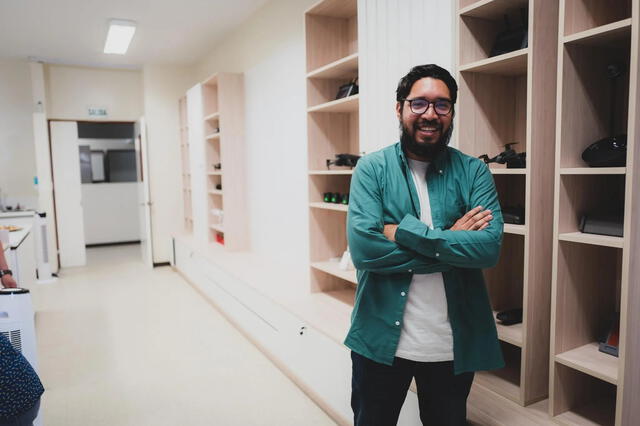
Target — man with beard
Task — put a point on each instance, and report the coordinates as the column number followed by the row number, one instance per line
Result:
column 423, row 221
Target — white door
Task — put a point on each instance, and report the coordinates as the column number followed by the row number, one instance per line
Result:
column 144, row 198
column 65, row 156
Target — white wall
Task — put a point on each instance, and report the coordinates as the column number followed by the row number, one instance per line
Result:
column 163, row 86
column 72, row 90
column 269, row 49
column 17, row 152
column 395, row 35
column 110, row 212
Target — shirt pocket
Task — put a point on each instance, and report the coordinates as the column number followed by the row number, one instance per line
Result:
column 454, row 209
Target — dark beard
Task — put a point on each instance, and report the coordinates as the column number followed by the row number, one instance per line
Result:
column 424, row 150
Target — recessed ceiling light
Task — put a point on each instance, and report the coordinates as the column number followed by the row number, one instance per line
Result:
column 119, row 36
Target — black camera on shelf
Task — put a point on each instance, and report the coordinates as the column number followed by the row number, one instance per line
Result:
column 217, row 166
column 510, row 316
column 513, row 159
column 344, row 160
column 348, row 89
column 336, row 198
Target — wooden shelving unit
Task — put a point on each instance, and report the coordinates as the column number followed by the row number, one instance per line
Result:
column 591, row 279
column 331, row 29
column 223, row 108
column 503, row 99
column 186, row 165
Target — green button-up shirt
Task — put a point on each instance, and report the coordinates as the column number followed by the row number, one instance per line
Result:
column 382, row 192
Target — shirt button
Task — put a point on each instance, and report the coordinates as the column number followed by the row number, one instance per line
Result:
column 397, row 322
column 403, row 294
column 410, row 270
column 440, row 171
column 437, row 254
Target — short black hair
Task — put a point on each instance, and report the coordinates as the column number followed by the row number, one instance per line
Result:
column 422, row 71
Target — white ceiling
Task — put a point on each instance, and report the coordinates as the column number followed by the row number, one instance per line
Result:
column 74, row 31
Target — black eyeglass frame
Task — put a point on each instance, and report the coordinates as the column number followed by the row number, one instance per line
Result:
column 429, row 103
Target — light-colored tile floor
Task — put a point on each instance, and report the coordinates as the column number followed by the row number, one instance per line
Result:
column 120, row 345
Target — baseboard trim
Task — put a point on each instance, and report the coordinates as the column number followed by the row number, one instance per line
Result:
column 119, row 243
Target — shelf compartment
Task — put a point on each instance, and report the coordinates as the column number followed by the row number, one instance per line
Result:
column 332, row 268
column 212, row 117
column 511, row 334
column 322, row 91
column 581, row 399
column 587, row 293
column 586, row 96
column 593, row 171
column 606, row 34
column 598, row 240
column 481, row 22
column 508, row 64
column 511, row 193
column 583, row 15
column 328, row 240
column 505, row 280
column 331, row 29
column 494, row 108
column 330, row 134
column 346, row 67
column 210, row 99
column 348, row 104
column 584, row 194
column 505, row 381
column 589, row 360
column 330, row 206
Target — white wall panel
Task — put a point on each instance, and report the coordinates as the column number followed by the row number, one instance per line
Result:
column 394, row 36
column 198, row 166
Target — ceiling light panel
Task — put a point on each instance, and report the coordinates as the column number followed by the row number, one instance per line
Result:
column 119, row 36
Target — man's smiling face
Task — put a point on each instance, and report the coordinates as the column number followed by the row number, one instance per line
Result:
column 425, row 135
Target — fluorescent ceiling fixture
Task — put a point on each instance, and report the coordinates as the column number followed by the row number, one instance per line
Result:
column 119, row 36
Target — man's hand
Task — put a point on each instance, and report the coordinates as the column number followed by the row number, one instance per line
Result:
column 475, row 220
column 8, row 281
column 390, row 232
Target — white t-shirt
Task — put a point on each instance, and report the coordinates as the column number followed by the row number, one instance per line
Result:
column 426, row 332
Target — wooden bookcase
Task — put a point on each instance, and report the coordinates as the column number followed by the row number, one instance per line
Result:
column 186, row 165
column 223, row 132
column 503, row 99
column 331, row 29
column 591, row 278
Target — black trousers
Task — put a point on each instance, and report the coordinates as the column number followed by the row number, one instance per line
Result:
column 378, row 391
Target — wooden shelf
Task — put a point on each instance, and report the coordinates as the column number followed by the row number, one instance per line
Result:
column 214, row 172
column 332, row 268
column 346, row 67
column 598, row 240
column 603, row 35
column 214, row 116
column 212, row 136
column 589, row 360
column 510, row 333
column 495, row 171
column 348, row 104
column 216, row 227
column 508, row 64
column 330, row 172
column 598, row 413
column 215, row 191
column 510, row 228
column 593, row 171
column 329, row 206
column 491, row 9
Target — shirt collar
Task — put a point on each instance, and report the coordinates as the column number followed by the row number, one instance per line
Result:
column 438, row 164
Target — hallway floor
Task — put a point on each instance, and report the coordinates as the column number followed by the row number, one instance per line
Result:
column 120, row 344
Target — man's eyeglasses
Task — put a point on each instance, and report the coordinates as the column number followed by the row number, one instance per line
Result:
column 421, row 105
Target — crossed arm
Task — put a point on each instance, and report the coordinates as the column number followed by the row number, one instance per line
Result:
column 472, row 242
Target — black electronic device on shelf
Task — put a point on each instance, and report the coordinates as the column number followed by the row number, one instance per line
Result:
column 510, row 316
column 349, row 89
column 511, row 39
column 513, row 159
column 335, row 198
column 612, row 150
column 345, row 160
column 513, row 215
column 608, row 222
